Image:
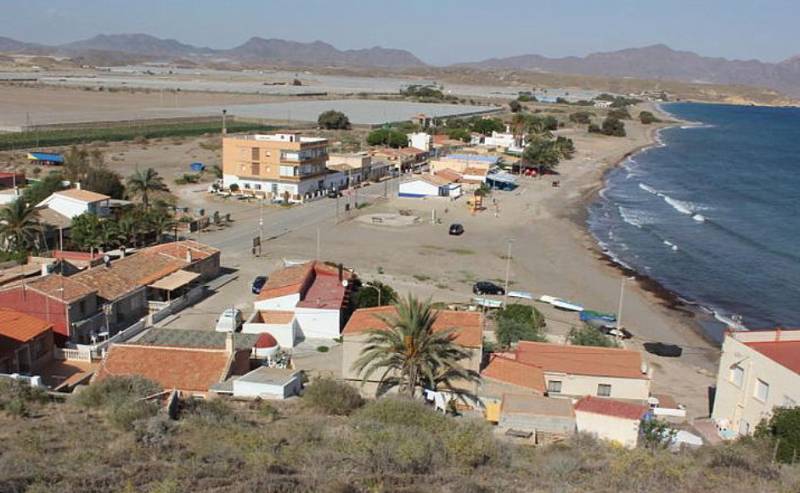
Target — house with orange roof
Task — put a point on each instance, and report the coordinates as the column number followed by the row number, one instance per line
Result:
column 573, row 371
column 467, row 327
column 26, row 342
column 610, row 419
column 308, row 300
column 192, row 371
column 74, row 201
column 759, row 370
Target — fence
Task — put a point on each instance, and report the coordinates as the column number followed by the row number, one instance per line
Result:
column 72, row 354
column 178, row 304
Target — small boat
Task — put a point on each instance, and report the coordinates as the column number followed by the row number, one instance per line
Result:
column 487, row 303
column 567, row 305
column 525, row 295
column 547, row 299
column 587, row 315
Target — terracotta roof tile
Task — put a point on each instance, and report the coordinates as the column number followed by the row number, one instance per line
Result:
column 286, row 281
column 83, row 195
column 312, row 280
column 53, row 284
column 128, row 274
column 178, row 249
column 476, row 171
column 182, row 369
column 582, row 360
column 449, row 174
column 515, row 373
column 21, row 327
column 610, row 407
column 468, row 326
column 785, row 353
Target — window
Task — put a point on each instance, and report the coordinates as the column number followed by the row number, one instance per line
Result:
column 554, row 386
column 82, row 307
column 761, row 392
column 255, row 169
column 737, row 375
column 288, row 171
column 275, row 188
column 247, row 186
column 604, row 390
column 258, row 186
column 255, row 154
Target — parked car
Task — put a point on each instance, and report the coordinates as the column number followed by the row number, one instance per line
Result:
column 258, row 284
column 663, row 349
column 230, row 320
column 334, row 194
column 486, row 287
column 456, row 229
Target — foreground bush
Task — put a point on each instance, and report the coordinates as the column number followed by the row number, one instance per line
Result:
column 328, row 396
column 122, row 399
column 16, row 397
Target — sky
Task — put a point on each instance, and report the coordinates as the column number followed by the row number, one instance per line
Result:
column 437, row 31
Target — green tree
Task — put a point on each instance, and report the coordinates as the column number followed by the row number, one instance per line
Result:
column 614, row 127
column 410, row 353
column 647, row 118
column 387, row 137
column 143, row 182
column 87, row 232
column 367, row 295
column 333, row 120
column 518, row 322
column 461, row 134
column 79, row 161
column 541, row 152
column 589, row 336
column 515, row 106
column 581, row 117
column 782, row 429
column 44, row 188
column 656, row 433
column 105, row 181
column 619, row 114
column 486, row 126
column 19, row 226
column 159, row 220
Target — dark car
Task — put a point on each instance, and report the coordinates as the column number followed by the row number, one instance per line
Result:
column 456, row 229
column 486, row 287
column 662, row 349
column 334, row 194
column 258, row 283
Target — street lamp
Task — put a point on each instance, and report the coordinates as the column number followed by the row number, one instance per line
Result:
column 508, row 269
column 376, row 288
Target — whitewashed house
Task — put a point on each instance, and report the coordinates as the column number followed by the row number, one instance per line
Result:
column 74, row 202
column 610, row 419
column 268, row 383
column 429, row 186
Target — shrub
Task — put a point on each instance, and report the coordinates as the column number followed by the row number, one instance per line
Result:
column 154, row 432
column 16, row 397
column 581, row 117
column 470, row 443
column 514, row 106
column 518, row 322
column 328, row 396
column 209, row 412
column 123, row 415
column 333, row 120
column 782, row 428
column 589, row 336
column 367, row 296
column 323, row 349
column 614, row 127
column 401, row 411
column 388, row 137
column 395, row 449
column 647, row 118
column 115, row 390
column 619, row 114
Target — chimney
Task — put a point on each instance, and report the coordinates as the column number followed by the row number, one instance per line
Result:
column 229, row 343
column 341, row 272
column 188, row 256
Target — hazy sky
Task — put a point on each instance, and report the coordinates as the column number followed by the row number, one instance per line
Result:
column 438, row 31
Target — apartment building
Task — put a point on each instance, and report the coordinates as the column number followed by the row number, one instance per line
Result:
column 759, row 370
column 278, row 166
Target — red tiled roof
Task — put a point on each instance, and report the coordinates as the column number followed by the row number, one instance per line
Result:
column 60, row 288
column 468, row 326
column 266, row 340
column 515, row 373
column 317, row 284
column 21, row 327
column 178, row 249
column 581, row 360
column 173, row 368
column 128, row 274
column 286, row 281
column 449, row 174
column 785, row 353
column 610, row 407
column 476, row 171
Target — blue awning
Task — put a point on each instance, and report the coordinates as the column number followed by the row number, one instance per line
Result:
column 502, row 177
column 45, row 156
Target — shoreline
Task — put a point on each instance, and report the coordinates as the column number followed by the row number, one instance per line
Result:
column 667, row 298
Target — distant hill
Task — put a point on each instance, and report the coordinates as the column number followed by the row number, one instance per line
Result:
column 661, row 62
column 319, row 53
column 124, row 47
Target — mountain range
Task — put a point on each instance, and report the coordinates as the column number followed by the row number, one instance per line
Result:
column 656, row 62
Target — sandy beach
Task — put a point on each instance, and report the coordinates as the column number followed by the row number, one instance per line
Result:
column 552, row 253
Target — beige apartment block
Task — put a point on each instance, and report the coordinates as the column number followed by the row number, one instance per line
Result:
column 758, row 371
column 278, row 166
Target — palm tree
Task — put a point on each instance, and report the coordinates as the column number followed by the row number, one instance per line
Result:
column 128, row 230
column 19, row 225
column 146, row 181
column 160, row 221
column 410, row 353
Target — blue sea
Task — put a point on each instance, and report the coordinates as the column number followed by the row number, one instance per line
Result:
column 713, row 212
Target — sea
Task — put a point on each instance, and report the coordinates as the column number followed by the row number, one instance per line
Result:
column 712, row 213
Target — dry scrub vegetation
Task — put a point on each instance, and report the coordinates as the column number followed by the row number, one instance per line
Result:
column 105, row 439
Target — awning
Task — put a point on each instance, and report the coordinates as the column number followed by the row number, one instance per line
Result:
column 175, row 280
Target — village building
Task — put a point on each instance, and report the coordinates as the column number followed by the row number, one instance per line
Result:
column 287, row 167
column 356, row 167
column 467, row 330
column 304, row 301
column 26, row 342
column 74, row 202
column 460, row 162
column 546, row 418
column 262, row 383
column 427, row 185
column 759, row 370
column 404, row 159
column 610, row 419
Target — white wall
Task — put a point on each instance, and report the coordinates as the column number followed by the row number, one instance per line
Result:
column 287, row 302
column 318, row 323
column 738, row 406
column 621, row 430
column 67, row 206
column 266, row 391
column 285, row 334
column 418, row 188
column 420, row 140
column 583, row 385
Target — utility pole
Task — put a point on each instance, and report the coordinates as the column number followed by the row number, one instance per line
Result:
column 260, row 224
column 619, row 308
column 508, row 269
column 224, row 126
